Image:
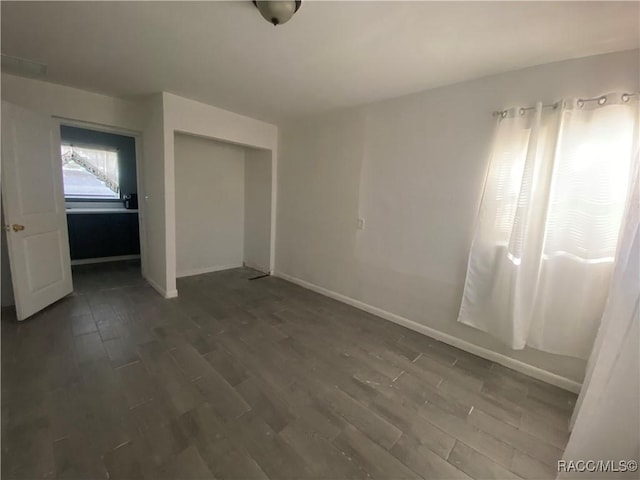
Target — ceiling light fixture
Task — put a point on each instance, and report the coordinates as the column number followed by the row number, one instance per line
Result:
column 277, row 11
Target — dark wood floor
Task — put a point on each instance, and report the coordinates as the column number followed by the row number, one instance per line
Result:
column 256, row 379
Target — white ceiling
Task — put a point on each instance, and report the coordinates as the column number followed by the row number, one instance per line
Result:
column 331, row 54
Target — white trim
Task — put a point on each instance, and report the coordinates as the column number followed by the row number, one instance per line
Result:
column 200, row 271
column 499, row 358
column 160, row 290
column 118, row 258
column 137, row 137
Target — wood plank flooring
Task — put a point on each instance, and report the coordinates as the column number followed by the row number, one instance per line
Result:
column 256, row 379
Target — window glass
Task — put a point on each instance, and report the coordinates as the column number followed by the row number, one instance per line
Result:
column 90, row 172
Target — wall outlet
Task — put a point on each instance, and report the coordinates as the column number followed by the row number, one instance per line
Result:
column 361, row 224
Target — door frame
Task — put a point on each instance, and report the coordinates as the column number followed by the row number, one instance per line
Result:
column 137, row 136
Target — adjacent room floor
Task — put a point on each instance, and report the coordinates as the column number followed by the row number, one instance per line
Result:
column 256, row 379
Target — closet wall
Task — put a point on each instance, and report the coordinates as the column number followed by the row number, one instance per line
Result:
column 257, row 202
column 209, row 205
column 223, row 206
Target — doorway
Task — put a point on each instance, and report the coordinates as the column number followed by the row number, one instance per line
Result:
column 97, row 182
column 101, row 201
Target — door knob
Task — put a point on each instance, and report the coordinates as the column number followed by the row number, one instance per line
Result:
column 17, row 228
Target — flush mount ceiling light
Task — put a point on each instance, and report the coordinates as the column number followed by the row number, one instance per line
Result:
column 277, row 11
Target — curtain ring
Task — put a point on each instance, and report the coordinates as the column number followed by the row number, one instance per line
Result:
column 625, row 97
column 602, row 100
column 580, row 103
column 521, row 111
column 503, row 114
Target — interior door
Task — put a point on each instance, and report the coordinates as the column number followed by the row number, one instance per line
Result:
column 34, row 211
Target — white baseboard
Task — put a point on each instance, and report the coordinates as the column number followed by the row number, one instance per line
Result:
column 200, row 271
column 160, row 290
column 119, row 258
column 499, row 358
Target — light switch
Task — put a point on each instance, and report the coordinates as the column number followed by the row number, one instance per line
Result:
column 361, row 224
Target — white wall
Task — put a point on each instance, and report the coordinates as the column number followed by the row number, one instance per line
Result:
column 190, row 116
column 157, row 116
column 72, row 103
column 187, row 116
column 152, row 198
column 113, row 113
column 257, row 209
column 413, row 168
column 210, row 188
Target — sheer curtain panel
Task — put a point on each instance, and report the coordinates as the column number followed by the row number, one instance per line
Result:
column 547, row 230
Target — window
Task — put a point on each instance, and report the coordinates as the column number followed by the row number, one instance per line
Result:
column 90, row 173
column 547, row 231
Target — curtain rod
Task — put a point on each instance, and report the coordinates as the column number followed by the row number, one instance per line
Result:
column 602, row 99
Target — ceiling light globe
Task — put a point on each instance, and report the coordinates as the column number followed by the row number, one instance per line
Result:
column 277, row 11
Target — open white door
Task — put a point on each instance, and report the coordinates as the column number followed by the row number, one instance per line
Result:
column 34, row 211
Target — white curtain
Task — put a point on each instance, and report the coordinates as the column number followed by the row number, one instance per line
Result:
column 546, row 235
column 606, row 418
